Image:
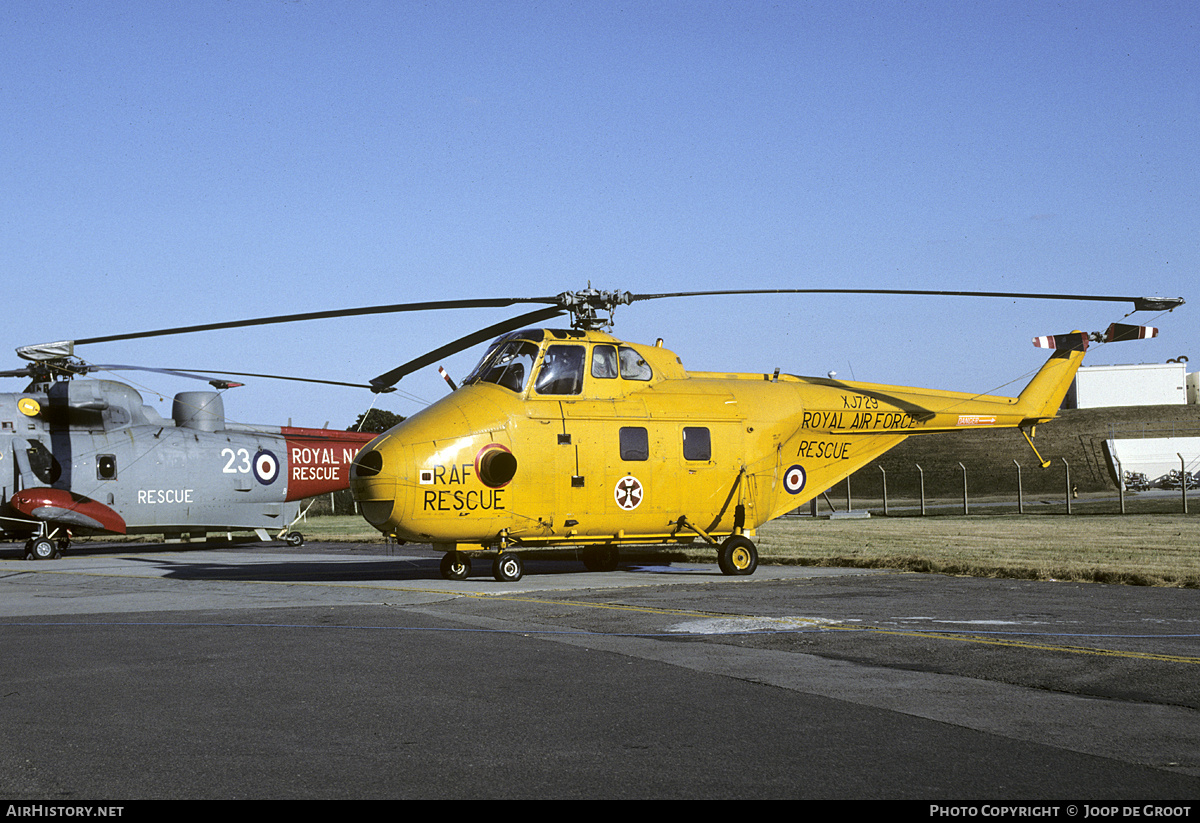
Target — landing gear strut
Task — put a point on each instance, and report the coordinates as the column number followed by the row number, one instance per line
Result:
column 44, row 545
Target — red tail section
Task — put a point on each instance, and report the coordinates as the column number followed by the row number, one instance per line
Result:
column 318, row 460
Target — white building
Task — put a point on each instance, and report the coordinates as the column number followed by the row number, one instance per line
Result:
column 1146, row 384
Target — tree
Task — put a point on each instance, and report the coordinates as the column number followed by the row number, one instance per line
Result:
column 376, row 420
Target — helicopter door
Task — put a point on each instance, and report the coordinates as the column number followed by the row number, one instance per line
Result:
column 558, row 379
column 36, row 464
column 602, row 439
column 710, row 487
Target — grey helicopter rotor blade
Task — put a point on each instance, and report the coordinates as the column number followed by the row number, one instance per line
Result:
column 207, row 375
column 95, row 367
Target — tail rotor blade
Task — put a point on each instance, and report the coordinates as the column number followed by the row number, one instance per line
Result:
column 1075, row 341
column 1078, row 340
column 1122, row 331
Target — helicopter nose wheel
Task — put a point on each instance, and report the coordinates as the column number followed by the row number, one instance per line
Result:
column 508, row 568
column 455, row 566
column 737, row 556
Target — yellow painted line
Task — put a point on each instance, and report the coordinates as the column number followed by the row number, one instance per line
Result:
column 987, row 641
column 1025, row 644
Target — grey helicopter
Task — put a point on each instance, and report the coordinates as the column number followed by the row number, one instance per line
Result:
column 85, row 456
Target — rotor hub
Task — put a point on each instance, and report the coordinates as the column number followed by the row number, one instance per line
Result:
column 586, row 306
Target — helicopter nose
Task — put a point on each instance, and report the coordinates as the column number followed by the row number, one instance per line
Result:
column 374, row 489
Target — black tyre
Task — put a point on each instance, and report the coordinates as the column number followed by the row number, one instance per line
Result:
column 508, row 568
column 455, row 566
column 43, row 549
column 737, row 556
column 294, row 539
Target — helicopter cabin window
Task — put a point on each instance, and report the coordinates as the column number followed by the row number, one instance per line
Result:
column 106, row 467
column 633, row 367
column 604, row 362
column 697, row 443
column 635, row 443
column 561, row 371
column 508, row 364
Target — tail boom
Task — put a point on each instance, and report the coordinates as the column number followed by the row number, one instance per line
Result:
column 846, row 426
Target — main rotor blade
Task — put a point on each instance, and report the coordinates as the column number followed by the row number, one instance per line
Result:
column 387, row 379
column 592, row 299
column 206, row 375
column 1139, row 303
column 433, row 305
column 191, row 375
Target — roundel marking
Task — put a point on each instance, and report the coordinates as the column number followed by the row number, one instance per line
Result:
column 29, row 407
column 794, row 479
column 628, row 493
column 266, row 467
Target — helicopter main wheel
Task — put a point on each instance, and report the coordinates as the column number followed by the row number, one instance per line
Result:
column 41, row 548
column 294, row 539
column 456, row 566
column 601, row 558
column 737, row 556
column 508, row 568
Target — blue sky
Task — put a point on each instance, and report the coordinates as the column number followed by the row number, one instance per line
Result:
column 179, row 163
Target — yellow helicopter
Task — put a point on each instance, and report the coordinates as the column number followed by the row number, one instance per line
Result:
column 575, row 438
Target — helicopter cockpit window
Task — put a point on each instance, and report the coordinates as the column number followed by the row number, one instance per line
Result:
column 561, row 371
column 508, row 364
column 604, row 362
column 633, row 367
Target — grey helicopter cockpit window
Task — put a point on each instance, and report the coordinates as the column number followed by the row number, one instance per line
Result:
column 561, row 371
column 508, row 364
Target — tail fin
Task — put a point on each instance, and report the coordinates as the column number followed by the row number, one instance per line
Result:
column 1042, row 398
